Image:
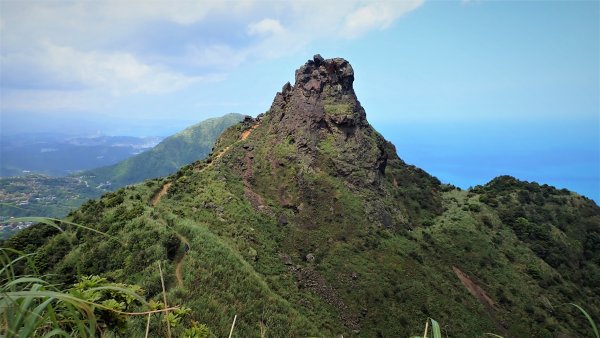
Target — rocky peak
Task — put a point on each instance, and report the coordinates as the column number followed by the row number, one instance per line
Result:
column 315, row 141
column 321, row 115
column 322, row 96
column 333, row 75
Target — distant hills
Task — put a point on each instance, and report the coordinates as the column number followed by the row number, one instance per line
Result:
column 40, row 195
column 189, row 145
column 59, row 155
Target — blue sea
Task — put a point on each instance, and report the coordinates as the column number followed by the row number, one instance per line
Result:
column 561, row 155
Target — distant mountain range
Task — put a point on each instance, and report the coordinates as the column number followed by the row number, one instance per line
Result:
column 60, row 155
column 40, row 195
column 189, row 145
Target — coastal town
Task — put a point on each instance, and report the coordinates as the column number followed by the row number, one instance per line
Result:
column 40, row 196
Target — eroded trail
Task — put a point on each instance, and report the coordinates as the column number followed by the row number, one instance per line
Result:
column 244, row 136
column 474, row 289
column 179, row 266
column 160, row 194
column 481, row 296
column 163, row 191
column 247, row 133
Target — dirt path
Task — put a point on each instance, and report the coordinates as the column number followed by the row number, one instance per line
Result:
column 179, row 266
column 481, row 296
column 163, row 191
column 473, row 288
column 221, row 153
column 244, row 136
column 247, row 133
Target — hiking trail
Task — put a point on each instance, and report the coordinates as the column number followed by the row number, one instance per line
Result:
column 159, row 195
column 179, row 266
column 163, row 191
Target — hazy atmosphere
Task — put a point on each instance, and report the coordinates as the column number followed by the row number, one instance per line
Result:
column 467, row 90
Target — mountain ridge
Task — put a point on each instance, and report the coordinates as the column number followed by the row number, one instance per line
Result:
column 305, row 222
column 38, row 195
column 170, row 154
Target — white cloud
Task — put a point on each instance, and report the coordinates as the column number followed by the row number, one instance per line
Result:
column 265, row 27
column 118, row 72
column 219, row 56
column 109, row 47
column 377, row 15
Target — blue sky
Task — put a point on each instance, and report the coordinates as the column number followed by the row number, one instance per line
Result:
column 467, row 90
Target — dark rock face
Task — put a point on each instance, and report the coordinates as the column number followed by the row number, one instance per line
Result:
column 321, row 114
column 336, row 74
column 317, row 150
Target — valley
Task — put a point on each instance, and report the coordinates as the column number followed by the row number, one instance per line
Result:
column 61, row 155
column 41, row 195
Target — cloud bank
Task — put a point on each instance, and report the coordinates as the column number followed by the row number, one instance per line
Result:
column 53, row 52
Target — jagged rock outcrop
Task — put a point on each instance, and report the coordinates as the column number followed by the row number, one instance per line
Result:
column 321, row 113
column 316, row 136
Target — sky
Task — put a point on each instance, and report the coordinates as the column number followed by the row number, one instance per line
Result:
column 467, row 90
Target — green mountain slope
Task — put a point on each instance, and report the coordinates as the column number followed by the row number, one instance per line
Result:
column 189, row 145
column 37, row 195
column 305, row 222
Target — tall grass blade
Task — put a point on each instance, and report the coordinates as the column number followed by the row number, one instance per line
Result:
column 8, row 264
column 37, row 315
column 148, row 326
column 53, row 223
column 55, row 333
column 24, row 280
column 435, row 329
column 589, row 318
column 162, row 280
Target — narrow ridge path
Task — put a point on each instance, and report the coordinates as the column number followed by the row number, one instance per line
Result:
column 163, row 191
column 179, row 266
column 244, row 136
column 159, row 195
column 247, row 133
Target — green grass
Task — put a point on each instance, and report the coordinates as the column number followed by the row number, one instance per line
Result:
column 371, row 253
column 32, row 306
column 338, row 109
column 589, row 319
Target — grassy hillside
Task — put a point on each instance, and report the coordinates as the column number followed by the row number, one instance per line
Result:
column 296, row 281
column 189, row 145
column 38, row 195
column 305, row 222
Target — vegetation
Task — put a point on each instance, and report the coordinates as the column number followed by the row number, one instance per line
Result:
column 383, row 278
column 38, row 195
column 436, row 332
column 31, row 306
column 311, row 225
column 35, row 195
column 435, row 329
column 191, row 144
column 338, row 109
